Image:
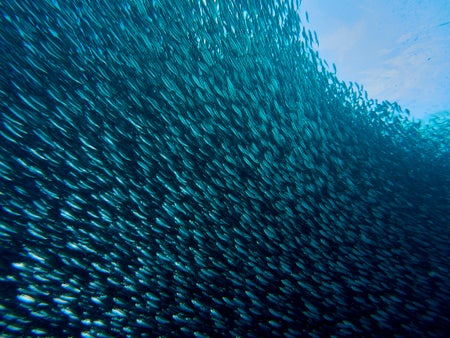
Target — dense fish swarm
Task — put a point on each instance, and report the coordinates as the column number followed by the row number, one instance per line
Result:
column 193, row 168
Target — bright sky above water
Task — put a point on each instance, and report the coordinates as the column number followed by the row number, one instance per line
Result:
column 398, row 49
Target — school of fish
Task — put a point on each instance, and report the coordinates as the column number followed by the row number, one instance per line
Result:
column 194, row 168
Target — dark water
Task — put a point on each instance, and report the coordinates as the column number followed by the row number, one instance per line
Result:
column 192, row 168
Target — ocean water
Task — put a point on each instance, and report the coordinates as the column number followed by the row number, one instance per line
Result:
column 193, row 168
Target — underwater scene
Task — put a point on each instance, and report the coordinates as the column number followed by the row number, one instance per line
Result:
column 194, row 168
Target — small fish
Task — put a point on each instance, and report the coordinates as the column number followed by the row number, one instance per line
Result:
column 195, row 169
